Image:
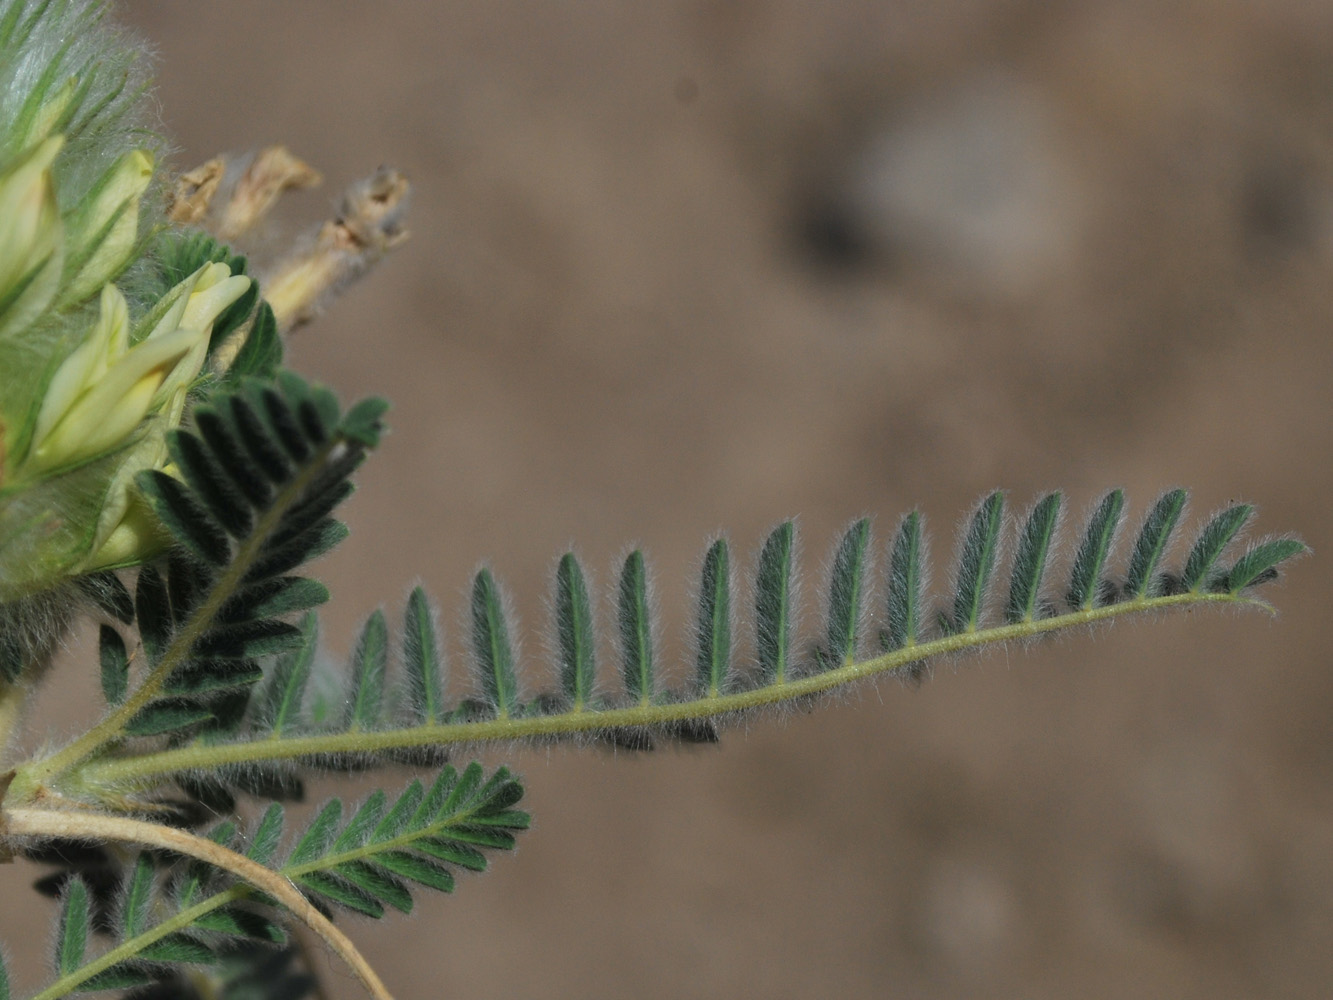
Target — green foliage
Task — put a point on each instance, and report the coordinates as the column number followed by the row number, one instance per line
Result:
column 714, row 629
column 573, row 615
column 636, row 639
column 846, row 594
column 773, row 603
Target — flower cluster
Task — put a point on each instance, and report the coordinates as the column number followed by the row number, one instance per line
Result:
column 91, row 379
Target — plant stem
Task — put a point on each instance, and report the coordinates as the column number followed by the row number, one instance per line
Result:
column 92, row 826
column 147, row 768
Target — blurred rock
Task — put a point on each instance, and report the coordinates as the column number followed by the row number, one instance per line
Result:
column 969, row 186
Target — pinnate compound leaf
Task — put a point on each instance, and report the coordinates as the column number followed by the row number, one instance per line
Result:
column 1216, row 535
column 773, row 603
column 847, row 594
column 714, row 628
column 573, row 617
column 1034, row 549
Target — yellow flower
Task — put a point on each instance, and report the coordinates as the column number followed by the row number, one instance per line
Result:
column 103, row 391
column 101, row 236
column 31, row 244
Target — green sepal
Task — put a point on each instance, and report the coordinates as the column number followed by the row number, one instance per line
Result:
column 573, row 620
column 1034, row 550
column 773, row 603
column 714, row 628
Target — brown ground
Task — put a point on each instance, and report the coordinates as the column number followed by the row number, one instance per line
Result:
column 651, row 293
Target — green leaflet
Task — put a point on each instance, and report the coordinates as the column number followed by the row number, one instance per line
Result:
column 261, row 354
column 573, row 622
column 115, row 661
column 423, row 661
column 369, row 665
column 491, row 650
column 138, row 898
column 1216, row 536
column 4, row 979
column 635, row 620
column 280, row 707
column 1034, row 548
column 976, row 563
column 906, row 583
column 264, row 844
column 72, row 935
column 714, row 629
column 1086, row 581
column 773, row 603
column 1259, row 563
column 847, row 594
column 1152, row 543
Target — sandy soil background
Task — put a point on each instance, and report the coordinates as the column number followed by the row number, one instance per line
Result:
column 691, row 266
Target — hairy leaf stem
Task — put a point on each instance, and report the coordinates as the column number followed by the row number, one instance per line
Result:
column 91, row 826
column 108, row 774
column 34, row 776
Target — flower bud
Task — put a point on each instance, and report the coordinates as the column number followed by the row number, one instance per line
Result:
column 102, row 230
column 31, row 247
